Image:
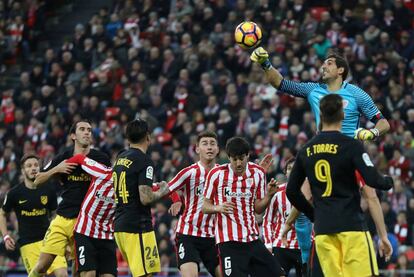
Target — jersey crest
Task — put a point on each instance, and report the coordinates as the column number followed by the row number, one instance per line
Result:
column 43, row 199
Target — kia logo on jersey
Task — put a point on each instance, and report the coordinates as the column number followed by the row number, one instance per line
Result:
column 199, row 191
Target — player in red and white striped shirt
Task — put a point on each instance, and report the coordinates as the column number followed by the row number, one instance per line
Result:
column 94, row 240
column 286, row 251
column 235, row 192
column 195, row 230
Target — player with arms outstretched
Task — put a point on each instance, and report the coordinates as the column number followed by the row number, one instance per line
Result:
column 356, row 102
column 334, row 72
column 329, row 160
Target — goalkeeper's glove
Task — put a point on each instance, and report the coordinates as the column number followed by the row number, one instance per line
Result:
column 364, row 134
column 260, row 56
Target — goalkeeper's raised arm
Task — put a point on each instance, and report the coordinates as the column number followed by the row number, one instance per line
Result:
column 334, row 72
column 275, row 78
column 260, row 56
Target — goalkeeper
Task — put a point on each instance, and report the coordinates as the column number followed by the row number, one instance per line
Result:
column 356, row 101
column 334, row 72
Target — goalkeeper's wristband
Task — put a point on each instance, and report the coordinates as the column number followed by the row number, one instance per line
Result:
column 375, row 131
column 6, row 237
column 266, row 65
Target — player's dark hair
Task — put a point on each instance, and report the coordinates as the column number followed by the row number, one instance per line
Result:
column 237, row 146
column 340, row 62
column 74, row 126
column 331, row 109
column 136, row 130
column 206, row 134
column 26, row 157
column 287, row 163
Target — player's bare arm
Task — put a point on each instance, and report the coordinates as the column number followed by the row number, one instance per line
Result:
column 294, row 213
column 61, row 168
column 3, row 224
column 175, row 208
column 274, row 77
column 210, row 208
column 383, row 126
column 8, row 240
column 374, row 206
column 266, row 162
column 260, row 205
column 294, row 192
column 177, row 205
column 147, row 196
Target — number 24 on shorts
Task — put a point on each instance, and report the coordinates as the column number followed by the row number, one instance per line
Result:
column 151, row 259
column 148, row 252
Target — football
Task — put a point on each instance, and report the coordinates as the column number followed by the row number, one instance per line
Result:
column 248, row 35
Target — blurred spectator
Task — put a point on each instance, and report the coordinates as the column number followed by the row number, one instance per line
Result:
column 399, row 166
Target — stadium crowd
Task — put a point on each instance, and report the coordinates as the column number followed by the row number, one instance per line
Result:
column 175, row 64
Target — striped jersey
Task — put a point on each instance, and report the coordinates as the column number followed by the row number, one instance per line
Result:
column 275, row 219
column 96, row 216
column 193, row 222
column 355, row 102
column 223, row 185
